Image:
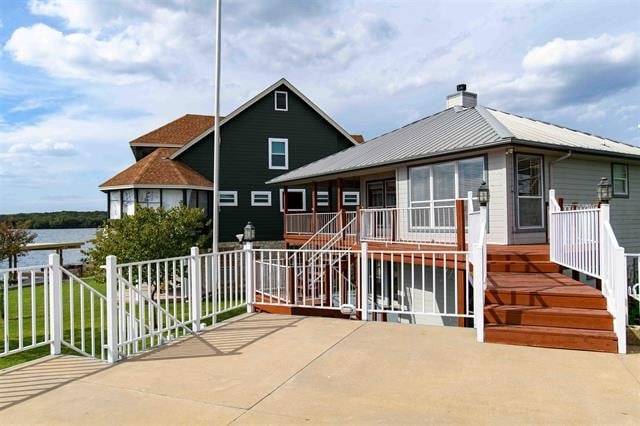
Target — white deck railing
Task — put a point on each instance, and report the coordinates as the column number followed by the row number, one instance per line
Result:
column 477, row 243
column 426, row 225
column 583, row 240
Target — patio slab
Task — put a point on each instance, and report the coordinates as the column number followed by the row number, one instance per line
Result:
column 288, row 370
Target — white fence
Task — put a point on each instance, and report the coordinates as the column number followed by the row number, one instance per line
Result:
column 584, row 241
column 47, row 305
column 428, row 225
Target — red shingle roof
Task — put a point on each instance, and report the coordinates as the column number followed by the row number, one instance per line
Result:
column 178, row 132
column 157, row 169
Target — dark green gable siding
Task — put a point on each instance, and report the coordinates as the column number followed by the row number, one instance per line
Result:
column 244, row 159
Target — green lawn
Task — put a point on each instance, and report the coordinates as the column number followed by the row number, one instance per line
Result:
column 77, row 333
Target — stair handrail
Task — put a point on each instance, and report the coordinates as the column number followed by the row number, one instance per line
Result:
column 320, row 231
column 477, row 257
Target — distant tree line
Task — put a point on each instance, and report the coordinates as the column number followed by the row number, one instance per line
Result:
column 58, row 220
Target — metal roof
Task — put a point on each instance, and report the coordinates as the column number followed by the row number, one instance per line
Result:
column 449, row 131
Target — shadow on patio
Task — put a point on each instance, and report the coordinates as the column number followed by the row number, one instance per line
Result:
column 226, row 339
column 22, row 383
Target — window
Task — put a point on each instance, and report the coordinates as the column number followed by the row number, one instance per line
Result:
column 128, row 201
column 149, row 198
column 114, row 205
column 278, row 154
column 281, row 101
column 323, row 198
column 296, row 200
column 171, row 198
column 530, row 191
column 261, row 198
column 228, row 198
column 620, row 178
column 351, row 198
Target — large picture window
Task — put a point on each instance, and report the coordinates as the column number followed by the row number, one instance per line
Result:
column 296, row 200
column 433, row 190
column 149, row 198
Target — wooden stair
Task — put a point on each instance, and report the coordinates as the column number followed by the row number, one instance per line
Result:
column 529, row 302
column 547, row 310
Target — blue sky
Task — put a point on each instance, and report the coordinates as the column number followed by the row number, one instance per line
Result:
column 80, row 78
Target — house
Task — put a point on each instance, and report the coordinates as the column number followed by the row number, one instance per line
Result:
column 425, row 166
column 277, row 130
column 419, row 207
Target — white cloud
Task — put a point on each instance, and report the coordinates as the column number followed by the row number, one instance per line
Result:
column 44, row 147
column 568, row 72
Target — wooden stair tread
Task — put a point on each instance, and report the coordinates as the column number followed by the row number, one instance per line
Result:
column 544, row 330
column 543, row 310
column 539, row 282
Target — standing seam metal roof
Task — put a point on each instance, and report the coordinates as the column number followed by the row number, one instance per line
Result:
column 451, row 130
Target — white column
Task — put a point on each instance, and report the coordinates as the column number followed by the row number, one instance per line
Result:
column 112, row 310
column 195, row 296
column 249, row 275
column 55, row 303
column 621, row 297
column 364, row 280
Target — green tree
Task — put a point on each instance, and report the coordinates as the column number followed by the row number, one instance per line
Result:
column 149, row 234
column 13, row 244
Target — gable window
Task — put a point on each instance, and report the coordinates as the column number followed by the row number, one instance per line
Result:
column 281, row 101
column 228, row 198
column 620, row 178
column 296, row 200
column 261, row 198
column 351, row 198
column 323, row 198
column 278, row 154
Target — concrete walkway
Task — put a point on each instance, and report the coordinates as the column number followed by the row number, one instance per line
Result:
column 281, row 369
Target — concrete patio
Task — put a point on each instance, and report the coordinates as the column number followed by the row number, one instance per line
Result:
column 281, row 369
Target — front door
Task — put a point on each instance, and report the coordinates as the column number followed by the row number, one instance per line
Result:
column 381, row 194
column 529, row 191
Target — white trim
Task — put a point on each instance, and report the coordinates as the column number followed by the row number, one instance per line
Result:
column 304, row 199
column 323, row 203
column 346, row 194
column 286, row 154
column 233, row 203
column 260, row 203
column 268, row 90
column 152, row 186
column 286, row 100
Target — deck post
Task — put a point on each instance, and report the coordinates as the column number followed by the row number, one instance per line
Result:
column 314, row 207
column 364, row 281
column 461, row 245
column 249, row 275
column 112, row 310
column 357, row 224
column 195, row 296
column 339, row 203
column 55, row 304
column 285, row 206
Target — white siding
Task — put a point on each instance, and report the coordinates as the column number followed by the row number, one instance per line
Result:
column 575, row 180
column 497, row 213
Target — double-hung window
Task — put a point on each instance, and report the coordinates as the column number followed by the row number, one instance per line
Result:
column 620, row 178
column 278, row 154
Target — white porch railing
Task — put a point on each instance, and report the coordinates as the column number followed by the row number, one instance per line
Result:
column 584, row 241
column 478, row 259
column 426, row 225
column 299, row 223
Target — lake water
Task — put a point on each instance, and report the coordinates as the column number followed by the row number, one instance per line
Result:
column 71, row 256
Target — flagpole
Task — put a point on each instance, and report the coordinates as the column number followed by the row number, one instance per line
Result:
column 216, row 138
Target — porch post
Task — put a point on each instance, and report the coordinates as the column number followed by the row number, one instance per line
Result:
column 314, row 207
column 285, row 206
column 339, row 202
column 249, row 275
column 461, row 245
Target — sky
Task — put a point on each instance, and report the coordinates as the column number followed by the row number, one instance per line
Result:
column 81, row 78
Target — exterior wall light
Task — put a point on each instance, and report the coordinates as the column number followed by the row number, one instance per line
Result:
column 249, row 233
column 604, row 190
column 483, row 194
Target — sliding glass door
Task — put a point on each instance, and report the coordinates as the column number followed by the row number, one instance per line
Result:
column 530, row 199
